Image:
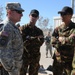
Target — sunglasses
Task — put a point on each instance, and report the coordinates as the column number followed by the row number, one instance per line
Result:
column 64, row 14
column 19, row 12
column 34, row 15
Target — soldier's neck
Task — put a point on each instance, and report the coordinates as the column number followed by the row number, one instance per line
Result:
column 67, row 23
column 32, row 24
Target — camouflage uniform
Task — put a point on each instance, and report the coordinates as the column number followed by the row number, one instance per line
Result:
column 64, row 51
column 32, row 43
column 73, row 64
column 11, row 48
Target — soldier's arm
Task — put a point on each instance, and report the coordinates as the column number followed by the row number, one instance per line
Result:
column 4, row 35
column 69, row 39
column 23, row 31
column 54, row 39
column 40, row 38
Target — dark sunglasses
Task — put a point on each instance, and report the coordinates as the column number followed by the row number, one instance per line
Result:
column 64, row 14
column 34, row 15
column 19, row 12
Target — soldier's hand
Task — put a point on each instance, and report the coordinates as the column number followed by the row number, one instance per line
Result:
column 61, row 39
column 72, row 35
column 57, row 53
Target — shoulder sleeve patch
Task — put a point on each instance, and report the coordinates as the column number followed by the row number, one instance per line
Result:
column 4, row 33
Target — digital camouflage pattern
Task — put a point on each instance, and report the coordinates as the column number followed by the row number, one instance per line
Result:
column 14, row 6
column 11, row 48
column 33, row 38
column 64, row 51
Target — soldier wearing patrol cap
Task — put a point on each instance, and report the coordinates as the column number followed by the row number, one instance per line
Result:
column 33, row 39
column 63, row 39
column 14, row 6
column 11, row 43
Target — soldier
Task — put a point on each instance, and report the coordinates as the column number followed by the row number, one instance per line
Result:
column 63, row 39
column 33, row 38
column 11, row 43
column 48, row 45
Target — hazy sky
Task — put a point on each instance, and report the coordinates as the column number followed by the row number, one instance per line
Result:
column 47, row 8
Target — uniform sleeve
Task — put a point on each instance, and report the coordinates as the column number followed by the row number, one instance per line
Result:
column 73, row 65
column 54, row 39
column 23, row 31
column 4, row 38
column 40, row 39
column 69, row 40
column 73, row 62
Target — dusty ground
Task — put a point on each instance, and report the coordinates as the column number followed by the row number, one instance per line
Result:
column 45, row 61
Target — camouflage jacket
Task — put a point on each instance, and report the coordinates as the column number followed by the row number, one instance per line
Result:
column 66, row 48
column 33, row 38
column 11, row 46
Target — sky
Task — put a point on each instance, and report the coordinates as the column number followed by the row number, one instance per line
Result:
column 47, row 8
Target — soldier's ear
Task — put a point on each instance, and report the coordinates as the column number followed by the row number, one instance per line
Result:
column 9, row 11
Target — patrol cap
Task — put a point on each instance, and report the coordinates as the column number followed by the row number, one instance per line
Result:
column 14, row 6
column 34, row 11
column 66, row 10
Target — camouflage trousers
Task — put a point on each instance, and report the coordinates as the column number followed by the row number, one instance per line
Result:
column 30, row 65
column 60, row 68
